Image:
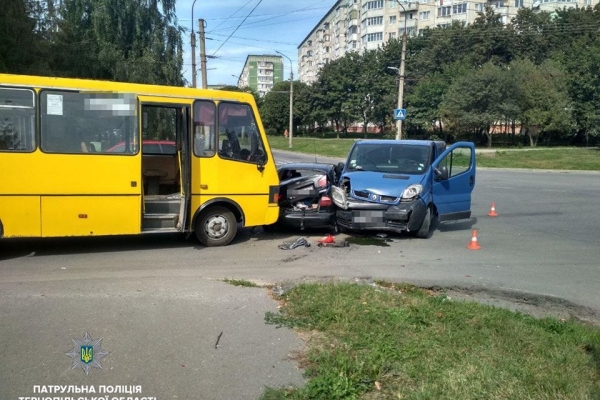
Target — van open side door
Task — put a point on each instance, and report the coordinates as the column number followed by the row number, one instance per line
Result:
column 453, row 181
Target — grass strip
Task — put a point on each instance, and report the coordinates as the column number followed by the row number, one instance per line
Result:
column 567, row 158
column 402, row 342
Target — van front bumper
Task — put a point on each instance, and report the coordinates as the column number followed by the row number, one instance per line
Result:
column 404, row 217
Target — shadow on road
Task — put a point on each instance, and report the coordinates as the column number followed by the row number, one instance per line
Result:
column 15, row 248
column 457, row 225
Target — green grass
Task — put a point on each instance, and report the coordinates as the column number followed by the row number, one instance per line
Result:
column 587, row 159
column 401, row 342
column 324, row 147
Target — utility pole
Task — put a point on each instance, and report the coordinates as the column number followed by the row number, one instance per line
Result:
column 401, row 76
column 193, row 43
column 291, row 127
column 201, row 25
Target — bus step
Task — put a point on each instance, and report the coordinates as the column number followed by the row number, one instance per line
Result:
column 159, row 221
column 161, row 230
column 161, row 205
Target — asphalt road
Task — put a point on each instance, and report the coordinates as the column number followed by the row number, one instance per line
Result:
column 158, row 305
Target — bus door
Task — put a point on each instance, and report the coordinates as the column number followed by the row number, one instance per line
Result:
column 165, row 165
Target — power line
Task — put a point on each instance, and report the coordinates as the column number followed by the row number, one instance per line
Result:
column 275, row 16
column 251, row 11
column 287, row 22
column 231, row 16
column 256, row 40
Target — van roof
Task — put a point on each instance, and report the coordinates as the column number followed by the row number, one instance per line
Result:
column 400, row 142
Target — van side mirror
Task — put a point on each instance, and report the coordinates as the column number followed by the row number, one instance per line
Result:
column 441, row 174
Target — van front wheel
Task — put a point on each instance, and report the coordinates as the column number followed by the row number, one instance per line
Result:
column 424, row 231
column 216, row 226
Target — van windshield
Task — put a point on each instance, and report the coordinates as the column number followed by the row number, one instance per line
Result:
column 390, row 158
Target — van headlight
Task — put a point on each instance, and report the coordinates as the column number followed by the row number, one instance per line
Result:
column 412, row 191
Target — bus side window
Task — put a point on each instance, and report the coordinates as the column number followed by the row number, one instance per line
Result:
column 204, row 128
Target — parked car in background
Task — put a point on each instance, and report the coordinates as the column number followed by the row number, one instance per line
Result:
column 305, row 196
column 404, row 185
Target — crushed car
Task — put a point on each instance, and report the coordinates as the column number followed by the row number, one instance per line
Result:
column 305, row 196
column 404, row 185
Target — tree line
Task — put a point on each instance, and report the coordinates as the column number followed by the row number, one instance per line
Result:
column 122, row 40
column 535, row 80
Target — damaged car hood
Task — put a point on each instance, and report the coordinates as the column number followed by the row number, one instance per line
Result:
column 381, row 183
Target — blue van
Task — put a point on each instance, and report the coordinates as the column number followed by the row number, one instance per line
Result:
column 404, row 185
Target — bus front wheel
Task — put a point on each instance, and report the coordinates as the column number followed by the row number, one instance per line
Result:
column 216, row 226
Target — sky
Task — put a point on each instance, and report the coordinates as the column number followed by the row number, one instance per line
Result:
column 236, row 28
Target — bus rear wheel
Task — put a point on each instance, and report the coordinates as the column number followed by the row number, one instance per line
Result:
column 216, row 226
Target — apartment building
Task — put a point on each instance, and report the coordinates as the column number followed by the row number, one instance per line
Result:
column 360, row 25
column 261, row 72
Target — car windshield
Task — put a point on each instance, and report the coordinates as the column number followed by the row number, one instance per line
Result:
column 390, row 158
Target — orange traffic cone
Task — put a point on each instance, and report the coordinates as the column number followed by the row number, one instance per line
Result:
column 492, row 212
column 474, row 244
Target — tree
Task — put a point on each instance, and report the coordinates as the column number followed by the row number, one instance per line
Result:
column 542, row 99
column 423, row 103
column 580, row 56
column 337, row 90
column 275, row 108
column 475, row 101
column 489, row 40
column 20, row 45
column 533, row 35
column 123, row 40
column 302, row 106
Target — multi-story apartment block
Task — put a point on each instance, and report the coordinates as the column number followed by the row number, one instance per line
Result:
column 261, row 72
column 360, row 25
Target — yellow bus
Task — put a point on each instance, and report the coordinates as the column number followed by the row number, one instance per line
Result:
column 85, row 158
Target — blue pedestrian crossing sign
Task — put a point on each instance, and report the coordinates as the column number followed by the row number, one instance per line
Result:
column 400, row 114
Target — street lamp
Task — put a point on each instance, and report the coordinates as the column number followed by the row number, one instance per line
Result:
column 401, row 75
column 193, row 43
column 291, row 128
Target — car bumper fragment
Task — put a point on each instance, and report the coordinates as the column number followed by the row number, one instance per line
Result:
column 370, row 216
column 308, row 219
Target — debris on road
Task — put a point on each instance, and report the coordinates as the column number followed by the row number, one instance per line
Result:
column 299, row 242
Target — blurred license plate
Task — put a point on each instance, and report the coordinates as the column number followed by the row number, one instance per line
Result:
column 367, row 217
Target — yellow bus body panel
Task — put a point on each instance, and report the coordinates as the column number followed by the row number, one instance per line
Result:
column 240, row 182
column 44, row 194
column 20, row 216
column 89, row 215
